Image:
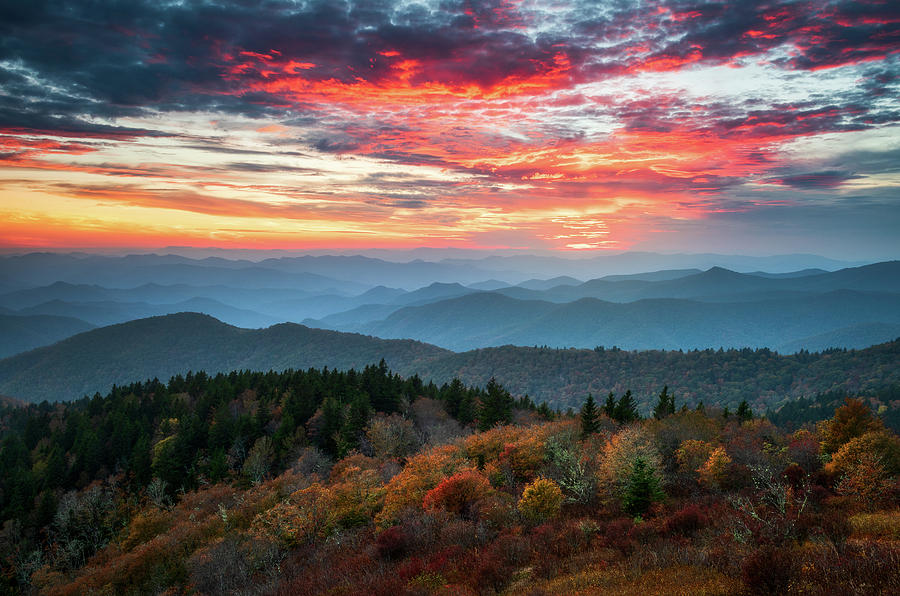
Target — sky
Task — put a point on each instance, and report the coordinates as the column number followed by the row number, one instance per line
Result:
column 532, row 125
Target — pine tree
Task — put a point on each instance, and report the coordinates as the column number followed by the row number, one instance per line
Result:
column 626, row 409
column 590, row 417
column 665, row 406
column 744, row 412
column 642, row 489
column 496, row 406
column 609, row 407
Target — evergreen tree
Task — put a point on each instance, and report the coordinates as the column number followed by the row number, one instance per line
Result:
column 744, row 412
column 496, row 406
column 626, row 409
column 330, row 425
column 665, row 406
column 354, row 423
column 609, row 407
column 642, row 489
column 590, row 417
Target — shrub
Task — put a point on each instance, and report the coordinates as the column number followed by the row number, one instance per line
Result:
column 768, row 570
column 391, row 542
column 540, row 501
column 686, row 521
column 462, row 494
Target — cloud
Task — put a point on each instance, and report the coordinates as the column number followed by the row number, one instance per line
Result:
column 517, row 109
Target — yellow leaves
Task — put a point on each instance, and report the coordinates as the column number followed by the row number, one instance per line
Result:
column 622, row 450
column 303, row 517
column 715, row 470
column 312, row 513
column 692, row 454
column 541, row 500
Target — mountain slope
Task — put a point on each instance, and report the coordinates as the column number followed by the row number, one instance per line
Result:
column 22, row 333
column 491, row 319
column 764, row 378
column 174, row 344
column 165, row 346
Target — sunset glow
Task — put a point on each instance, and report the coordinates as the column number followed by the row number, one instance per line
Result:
column 501, row 124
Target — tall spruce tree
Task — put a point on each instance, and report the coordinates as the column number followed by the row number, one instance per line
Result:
column 609, row 407
column 744, row 412
column 642, row 489
column 590, row 417
column 626, row 409
column 666, row 404
column 496, row 406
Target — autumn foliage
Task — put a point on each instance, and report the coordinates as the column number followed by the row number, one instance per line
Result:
column 687, row 503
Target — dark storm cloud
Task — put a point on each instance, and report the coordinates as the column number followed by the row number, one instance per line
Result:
column 111, row 59
column 816, row 180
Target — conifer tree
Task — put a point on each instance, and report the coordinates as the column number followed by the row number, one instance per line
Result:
column 496, row 406
column 590, row 417
column 626, row 409
column 609, row 407
column 744, row 412
column 665, row 406
column 642, row 489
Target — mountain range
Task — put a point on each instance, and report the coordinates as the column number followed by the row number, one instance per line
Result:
column 682, row 308
column 160, row 347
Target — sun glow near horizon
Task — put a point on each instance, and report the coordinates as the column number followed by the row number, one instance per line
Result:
column 516, row 127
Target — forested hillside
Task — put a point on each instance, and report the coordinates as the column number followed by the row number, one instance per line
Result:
column 21, row 333
column 362, row 482
column 160, row 347
column 719, row 377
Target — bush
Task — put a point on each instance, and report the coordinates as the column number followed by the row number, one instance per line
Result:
column 540, row 501
column 391, row 542
column 462, row 494
column 685, row 522
column 768, row 570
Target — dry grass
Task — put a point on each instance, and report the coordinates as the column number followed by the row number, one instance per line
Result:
column 881, row 524
column 686, row 580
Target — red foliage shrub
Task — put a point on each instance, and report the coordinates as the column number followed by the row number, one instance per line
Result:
column 829, row 523
column 461, row 494
column 768, row 570
column 686, row 521
column 391, row 542
column 499, row 561
column 618, row 534
column 794, row 475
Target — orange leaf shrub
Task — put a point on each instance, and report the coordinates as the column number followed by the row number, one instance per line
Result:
column 421, row 473
column 462, row 494
column 714, row 470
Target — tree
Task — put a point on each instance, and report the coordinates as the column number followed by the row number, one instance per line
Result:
column 590, row 417
column 496, row 406
column 626, row 409
column 609, row 406
column 714, row 471
column 853, row 419
column 462, row 494
column 256, row 466
column 744, row 412
column 642, row 489
column 541, row 500
column 392, row 436
column 666, row 404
